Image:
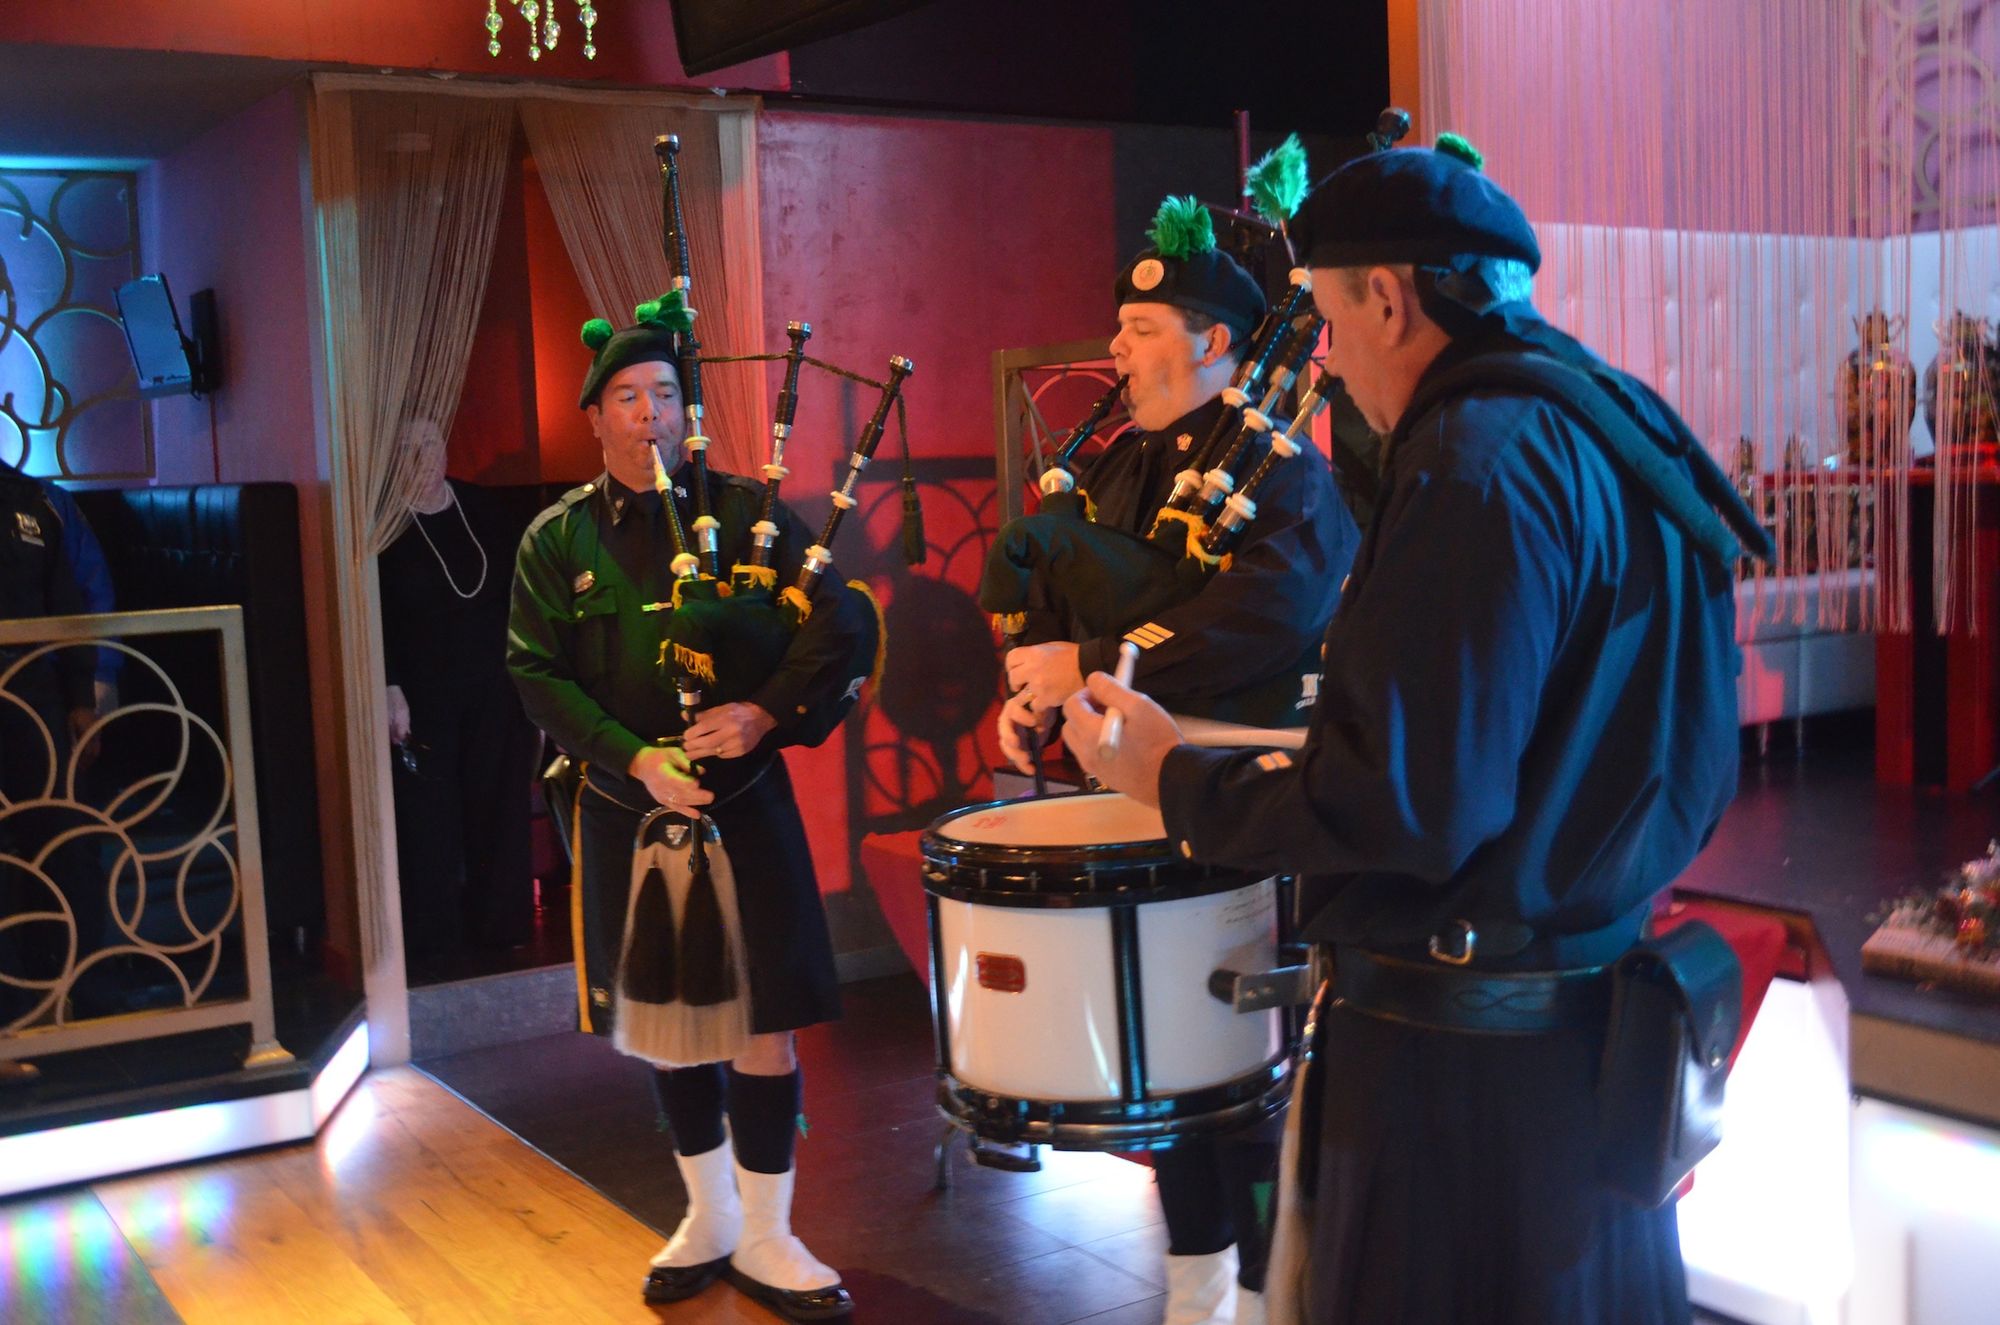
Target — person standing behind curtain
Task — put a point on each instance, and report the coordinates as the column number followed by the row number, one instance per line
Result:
column 464, row 751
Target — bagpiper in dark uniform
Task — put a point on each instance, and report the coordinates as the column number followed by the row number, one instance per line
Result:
column 1244, row 649
column 1527, row 729
column 591, row 588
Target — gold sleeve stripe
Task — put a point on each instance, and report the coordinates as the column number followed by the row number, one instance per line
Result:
column 1150, row 635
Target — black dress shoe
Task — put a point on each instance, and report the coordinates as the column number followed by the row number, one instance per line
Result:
column 808, row 1304
column 671, row 1283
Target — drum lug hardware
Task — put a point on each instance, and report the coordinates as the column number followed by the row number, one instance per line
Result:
column 1260, row 991
column 1024, row 1157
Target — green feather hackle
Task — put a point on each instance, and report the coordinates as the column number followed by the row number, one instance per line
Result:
column 1181, row 229
column 1278, row 183
column 1452, row 144
column 670, row 311
column 595, row 333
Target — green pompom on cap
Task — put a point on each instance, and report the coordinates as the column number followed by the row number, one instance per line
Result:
column 647, row 312
column 595, row 333
column 1452, row 144
column 1181, row 229
column 1278, row 183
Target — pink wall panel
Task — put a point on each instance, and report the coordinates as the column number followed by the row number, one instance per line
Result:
column 635, row 38
column 228, row 212
column 944, row 240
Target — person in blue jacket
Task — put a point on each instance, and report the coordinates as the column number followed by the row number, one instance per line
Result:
column 1526, row 729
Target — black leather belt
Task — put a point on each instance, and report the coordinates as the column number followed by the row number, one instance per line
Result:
column 1443, row 997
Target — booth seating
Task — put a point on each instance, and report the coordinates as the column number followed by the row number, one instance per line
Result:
column 220, row 544
column 1797, row 668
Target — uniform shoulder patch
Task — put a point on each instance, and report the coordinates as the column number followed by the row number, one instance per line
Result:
column 564, row 504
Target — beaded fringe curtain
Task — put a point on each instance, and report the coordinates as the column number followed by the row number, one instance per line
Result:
column 406, row 188
column 1781, row 214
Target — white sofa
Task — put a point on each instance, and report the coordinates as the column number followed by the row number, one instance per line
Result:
column 1794, row 666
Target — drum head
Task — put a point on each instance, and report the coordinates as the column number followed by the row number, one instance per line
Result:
column 1101, row 818
column 1086, row 849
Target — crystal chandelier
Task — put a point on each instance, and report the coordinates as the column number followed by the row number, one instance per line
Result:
column 542, row 28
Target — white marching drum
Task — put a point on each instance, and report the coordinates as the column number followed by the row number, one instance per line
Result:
column 1073, row 950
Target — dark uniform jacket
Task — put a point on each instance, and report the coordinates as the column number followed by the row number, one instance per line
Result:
column 1529, row 708
column 584, row 648
column 1257, row 623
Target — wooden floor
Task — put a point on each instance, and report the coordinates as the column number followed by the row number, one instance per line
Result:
column 411, row 1206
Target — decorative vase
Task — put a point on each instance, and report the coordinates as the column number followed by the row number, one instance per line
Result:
column 1959, row 392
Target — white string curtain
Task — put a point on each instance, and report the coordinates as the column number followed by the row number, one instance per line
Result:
column 603, row 182
column 1724, row 190
column 406, row 191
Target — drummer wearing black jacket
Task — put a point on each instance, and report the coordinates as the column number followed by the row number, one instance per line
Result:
column 1245, row 648
column 1528, row 729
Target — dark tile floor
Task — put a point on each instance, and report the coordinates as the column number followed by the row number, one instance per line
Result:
column 1079, row 1241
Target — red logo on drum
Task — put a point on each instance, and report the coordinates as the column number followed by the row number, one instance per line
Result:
column 1001, row 973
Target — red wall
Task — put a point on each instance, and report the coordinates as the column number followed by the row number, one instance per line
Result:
column 569, row 454
column 1009, row 242
column 493, row 437
column 943, row 240
column 635, row 38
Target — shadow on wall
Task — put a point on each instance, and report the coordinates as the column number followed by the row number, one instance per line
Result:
column 922, row 749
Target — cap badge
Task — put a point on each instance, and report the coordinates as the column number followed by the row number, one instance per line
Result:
column 1148, row 274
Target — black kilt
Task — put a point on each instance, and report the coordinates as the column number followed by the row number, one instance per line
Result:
column 790, row 953
column 1455, row 1187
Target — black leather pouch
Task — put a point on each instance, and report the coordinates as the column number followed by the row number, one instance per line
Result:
column 1676, row 1006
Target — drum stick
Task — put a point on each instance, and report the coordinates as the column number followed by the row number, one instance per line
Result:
column 1035, row 758
column 1114, row 721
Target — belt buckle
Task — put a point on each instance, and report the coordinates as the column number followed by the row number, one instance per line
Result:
column 1467, row 942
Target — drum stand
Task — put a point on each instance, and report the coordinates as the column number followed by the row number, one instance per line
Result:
column 1022, row 1158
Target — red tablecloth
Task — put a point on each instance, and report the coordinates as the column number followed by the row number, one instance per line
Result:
column 1759, row 942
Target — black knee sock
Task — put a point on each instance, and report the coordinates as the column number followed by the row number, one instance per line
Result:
column 691, row 1105
column 1191, row 1197
column 762, row 1113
